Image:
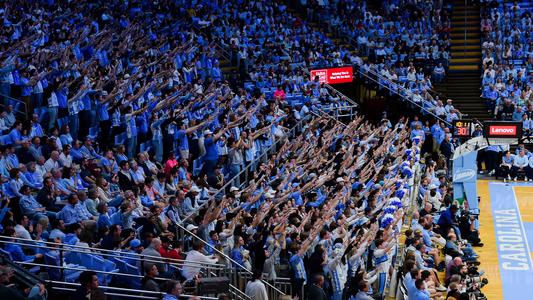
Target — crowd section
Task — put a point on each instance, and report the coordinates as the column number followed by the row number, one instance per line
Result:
column 405, row 43
column 137, row 136
column 507, row 52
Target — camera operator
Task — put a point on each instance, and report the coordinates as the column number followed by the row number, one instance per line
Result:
column 470, row 277
column 468, row 231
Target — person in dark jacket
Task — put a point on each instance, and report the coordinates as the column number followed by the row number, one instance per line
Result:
column 446, row 147
column 314, row 291
column 46, row 196
column 148, row 281
column 88, row 283
column 124, row 177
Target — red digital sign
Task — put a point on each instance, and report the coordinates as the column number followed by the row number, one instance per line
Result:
column 503, row 129
column 333, row 75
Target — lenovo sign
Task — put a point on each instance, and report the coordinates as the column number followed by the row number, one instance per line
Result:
column 503, row 129
column 334, row 75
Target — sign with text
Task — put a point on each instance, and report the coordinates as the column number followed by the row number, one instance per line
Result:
column 503, row 129
column 333, row 75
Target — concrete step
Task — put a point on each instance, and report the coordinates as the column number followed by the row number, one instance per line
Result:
column 461, row 35
column 467, row 54
column 467, row 28
column 468, row 42
column 468, row 22
column 470, row 60
column 465, row 68
column 456, row 48
column 469, row 17
column 469, row 10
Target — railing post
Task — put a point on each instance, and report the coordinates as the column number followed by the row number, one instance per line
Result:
column 246, row 173
column 142, row 265
column 61, row 255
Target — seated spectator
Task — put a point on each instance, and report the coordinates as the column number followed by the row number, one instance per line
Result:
column 88, row 284
column 16, row 251
column 148, row 282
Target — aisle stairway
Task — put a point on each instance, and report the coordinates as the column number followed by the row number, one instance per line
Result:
column 463, row 80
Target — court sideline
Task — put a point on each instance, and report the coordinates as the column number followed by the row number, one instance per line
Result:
column 509, row 207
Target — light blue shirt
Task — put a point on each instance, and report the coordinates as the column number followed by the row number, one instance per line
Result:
column 29, row 205
column 520, row 161
column 298, row 267
column 70, row 214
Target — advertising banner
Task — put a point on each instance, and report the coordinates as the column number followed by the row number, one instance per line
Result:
column 503, row 129
column 333, row 75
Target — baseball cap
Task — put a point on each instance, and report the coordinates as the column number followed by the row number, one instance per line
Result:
column 135, row 243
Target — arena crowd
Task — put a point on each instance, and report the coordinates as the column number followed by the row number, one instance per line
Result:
column 136, row 136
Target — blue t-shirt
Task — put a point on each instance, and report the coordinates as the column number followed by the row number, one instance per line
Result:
column 183, row 142
column 298, row 267
column 15, row 136
column 211, row 152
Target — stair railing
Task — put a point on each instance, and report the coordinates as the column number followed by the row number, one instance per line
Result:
column 20, row 107
column 103, row 252
column 380, row 78
column 237, row 272
column 247, row 170
column 396, row 89
column 122, row 293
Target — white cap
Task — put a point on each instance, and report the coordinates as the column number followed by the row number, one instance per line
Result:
column 269, row 196
column 233, row 189
column 191, row 227
column 340, row 179
column 207, row 131
column 195, row 189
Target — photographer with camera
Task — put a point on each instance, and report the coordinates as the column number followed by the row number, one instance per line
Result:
column 468, row 230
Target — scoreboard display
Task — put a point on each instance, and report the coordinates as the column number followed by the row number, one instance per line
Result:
column 463, row 128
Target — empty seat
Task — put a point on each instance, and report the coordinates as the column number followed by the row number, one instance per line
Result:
column 54, row 273
column 97, row 263
column 124, row 267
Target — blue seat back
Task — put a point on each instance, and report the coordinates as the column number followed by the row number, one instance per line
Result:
column 6, row 253
column 52, row 260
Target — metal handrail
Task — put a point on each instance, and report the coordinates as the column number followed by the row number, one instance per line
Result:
column 230, row 182
column 127, row 290
column 26, row 263
column 241, row 267
column 85, row 250
column 338, row 111
column 222, row 51
column 397, row 92
column 238, row 293
column 334, row 89
column 409, row 217
column 352, row 41
column 23, row 113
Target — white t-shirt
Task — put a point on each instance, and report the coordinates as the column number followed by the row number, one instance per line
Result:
column 21, row 232
column 256, row 290
column 189, row 271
